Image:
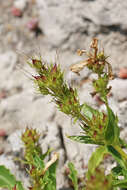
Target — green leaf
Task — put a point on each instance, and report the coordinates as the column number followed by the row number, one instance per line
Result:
column 117, row 171
column 73, row 175
column 120, row 183
column 112, row 130
column 117, row 156
column 124, row 171
column 123, row 143
column 48, row 181
column 52, row 176
column 82, row 139
column 38, row 162
column 95, row 159
column 88, row 111
column 7, row 180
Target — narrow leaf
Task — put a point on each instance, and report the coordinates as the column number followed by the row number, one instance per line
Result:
column 51, row 182
column 117, row 171
column 120, row 183
column 112, row 130
column 96, row 159
column 117, row 156
column 38, row 162
column 73, row 175
column 82, row 139
column 49, row 179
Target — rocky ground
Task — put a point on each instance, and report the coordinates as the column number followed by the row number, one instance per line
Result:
column 33, row 27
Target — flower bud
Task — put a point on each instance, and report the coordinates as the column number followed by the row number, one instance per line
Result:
column 70, row 102
column 92, row 177
column 43, row 77
column 14, row 188
column 16, row 12
column 95, row 134
column 71, row 89
column 37, row 63
column 37, row 77
column 54, row 69
column 54, row 79
column 100, row 126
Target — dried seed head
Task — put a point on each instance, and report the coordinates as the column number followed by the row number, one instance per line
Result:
column 80, row 52
column 94, row 43
column 76, row 68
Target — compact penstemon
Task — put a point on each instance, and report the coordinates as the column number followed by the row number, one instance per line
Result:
column 98, row 127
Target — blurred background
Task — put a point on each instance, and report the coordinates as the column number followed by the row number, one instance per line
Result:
column 42, row 27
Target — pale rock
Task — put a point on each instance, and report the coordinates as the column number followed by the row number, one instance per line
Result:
column 21, row 4
column 119, row 89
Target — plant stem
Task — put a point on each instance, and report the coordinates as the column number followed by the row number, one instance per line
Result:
column 122, row 153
